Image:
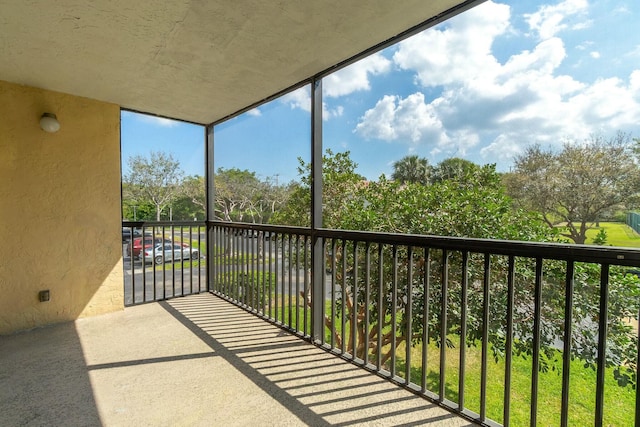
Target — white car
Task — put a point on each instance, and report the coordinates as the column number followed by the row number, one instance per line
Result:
column 170, row 252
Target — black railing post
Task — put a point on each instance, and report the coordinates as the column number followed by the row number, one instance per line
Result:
column 566, row 349
column 394, row 309
column 380, row 306
column 354, row 303
column 602, row 343
column 637, row 421
column 463, row 327
column 537, row 336
column 426, row 281
column 444, row 303
column 486, row 301
column 506, row 410
column 367, row 300
column 408, row 313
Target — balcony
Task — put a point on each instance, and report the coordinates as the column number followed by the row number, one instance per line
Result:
column 491, row 324
column 511, row 304
column 255, row 346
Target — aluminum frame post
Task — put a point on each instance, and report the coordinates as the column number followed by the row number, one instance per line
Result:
column 317, row 261
column 210, row 202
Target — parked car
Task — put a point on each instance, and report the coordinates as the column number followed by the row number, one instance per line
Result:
column 161, row 253
column 135, row 247
column 126, row 233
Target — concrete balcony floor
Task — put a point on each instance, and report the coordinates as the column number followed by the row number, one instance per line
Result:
column 192, row 361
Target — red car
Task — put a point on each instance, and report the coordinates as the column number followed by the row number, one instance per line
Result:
column 135, row 247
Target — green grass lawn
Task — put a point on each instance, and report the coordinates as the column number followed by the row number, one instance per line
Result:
column 618, row 234
column 619, row 403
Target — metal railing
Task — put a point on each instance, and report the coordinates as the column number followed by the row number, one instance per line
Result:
column 163, row 260
column 462, row 322
column 265, row 270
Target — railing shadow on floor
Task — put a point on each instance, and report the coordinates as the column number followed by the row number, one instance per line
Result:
column 318, row 388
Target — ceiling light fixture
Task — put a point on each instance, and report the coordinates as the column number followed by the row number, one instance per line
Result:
column 49, row 123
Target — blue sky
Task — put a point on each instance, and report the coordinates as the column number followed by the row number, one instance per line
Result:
column 481, row 86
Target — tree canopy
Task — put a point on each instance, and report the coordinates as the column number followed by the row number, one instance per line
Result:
column 340, row 183
column 412, row 169
column 473, row 204
column 466, row 200
column 459, row 198
column 241, row 196
column 155, row 178
column 575, row 186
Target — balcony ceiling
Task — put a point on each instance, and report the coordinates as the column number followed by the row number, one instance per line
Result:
column 195, row 60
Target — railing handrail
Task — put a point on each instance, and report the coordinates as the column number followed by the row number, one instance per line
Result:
column 305, row 231
column 612, row 255
column 562, row 251
column 149, row 224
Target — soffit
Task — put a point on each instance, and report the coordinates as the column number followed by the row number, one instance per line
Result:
column 197, row 60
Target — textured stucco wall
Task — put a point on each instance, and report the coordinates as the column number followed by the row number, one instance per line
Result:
column 59, row 208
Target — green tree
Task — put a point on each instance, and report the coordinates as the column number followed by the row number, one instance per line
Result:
column 155, row 179
column 183, row 209
column 575, row 186
column 296, row 209
column 453, row 168
column 600, row 238
column 133, row 210
column 412, row 169
column 193, row 190
column 236, row 194
column 340, row 183
column 274, row 197
column 473, row 203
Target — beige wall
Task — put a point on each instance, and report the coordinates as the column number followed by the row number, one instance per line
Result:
column 59, row 208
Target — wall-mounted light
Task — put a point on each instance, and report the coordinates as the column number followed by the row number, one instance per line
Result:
column 49, row 123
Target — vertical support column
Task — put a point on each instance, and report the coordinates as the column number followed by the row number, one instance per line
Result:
column 317, row 261
column 210, row 203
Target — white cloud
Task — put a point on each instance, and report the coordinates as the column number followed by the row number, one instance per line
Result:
column 502, row 149
column 595, row 54
column 512, row 104
column 329, row 113
column 585, row 45
column 301, row 98
column 635, row 52
column 459, row 51
column 550, row 20
column 355, row 77
column 609, row 103
column 408, row 120
column 621, row 10
column 544, row 59
column 634, row 83
column 459, row 142
column 158, row 121
column 343, row 82
column 255, row 112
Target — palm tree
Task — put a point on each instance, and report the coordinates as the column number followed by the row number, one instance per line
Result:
column 412, row 169
column 453, row 168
